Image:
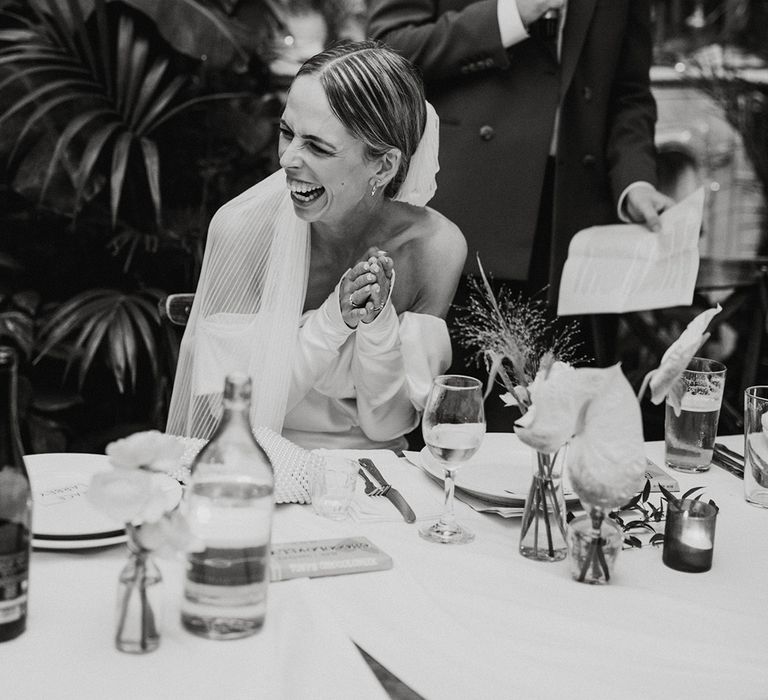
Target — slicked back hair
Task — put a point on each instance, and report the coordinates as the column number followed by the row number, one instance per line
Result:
column 375, row 93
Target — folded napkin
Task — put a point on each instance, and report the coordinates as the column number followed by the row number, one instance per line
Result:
column 423, row 498
column 291, row 464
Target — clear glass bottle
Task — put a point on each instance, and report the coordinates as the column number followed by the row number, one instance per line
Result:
column 229, row 504
column 15, row 507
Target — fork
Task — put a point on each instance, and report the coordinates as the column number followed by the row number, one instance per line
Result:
column 370, row 488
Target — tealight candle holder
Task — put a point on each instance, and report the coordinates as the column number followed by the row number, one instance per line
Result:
column 689, row 536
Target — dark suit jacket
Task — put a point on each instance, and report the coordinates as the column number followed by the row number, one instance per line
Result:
column 497, row 111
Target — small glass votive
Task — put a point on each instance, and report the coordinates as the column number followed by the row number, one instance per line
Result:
column 689, row 536
column 594, row 542
column 756, row 445
column 690, row 436
column 332, row 481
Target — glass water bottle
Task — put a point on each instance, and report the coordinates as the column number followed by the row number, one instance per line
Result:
column 229, row 504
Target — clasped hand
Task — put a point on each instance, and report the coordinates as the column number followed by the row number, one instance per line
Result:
column 365, row 288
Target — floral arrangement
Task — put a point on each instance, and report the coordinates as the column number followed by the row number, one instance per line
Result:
column 594, row 411
column 513, row 336
column 135, row 492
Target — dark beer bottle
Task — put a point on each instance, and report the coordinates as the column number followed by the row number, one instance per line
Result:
column 15, row 506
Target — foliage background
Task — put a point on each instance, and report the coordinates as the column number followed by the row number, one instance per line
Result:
column 103, row 210
column 124, row 124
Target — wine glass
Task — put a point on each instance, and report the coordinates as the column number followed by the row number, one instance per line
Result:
column 453, row 427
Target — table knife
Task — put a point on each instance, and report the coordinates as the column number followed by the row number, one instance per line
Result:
column 729, row 452
column 395, row 497
column 723, row 461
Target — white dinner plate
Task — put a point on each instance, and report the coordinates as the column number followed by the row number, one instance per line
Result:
column 62, row 518
column 499, row 473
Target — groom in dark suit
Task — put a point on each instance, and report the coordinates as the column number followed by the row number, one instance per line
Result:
column 547, row 127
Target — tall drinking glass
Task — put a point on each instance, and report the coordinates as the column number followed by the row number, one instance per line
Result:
column 756, row 445
column 453, row 427
column 690, row 435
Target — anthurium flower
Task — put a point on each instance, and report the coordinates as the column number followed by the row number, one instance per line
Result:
column 149, row 449
column 121, row 494
column 557, row 393
column 519, row 397
column 606, row 457
column 664, row 379
column 136, row 495
column 169, row 536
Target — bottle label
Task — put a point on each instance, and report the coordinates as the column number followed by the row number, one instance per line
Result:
column 13, row 586
column 13, row 610
column 219, row 566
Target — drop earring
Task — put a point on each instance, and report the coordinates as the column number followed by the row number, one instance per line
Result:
column 374, row 187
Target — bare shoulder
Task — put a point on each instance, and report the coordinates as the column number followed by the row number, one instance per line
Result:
column 443, row 240
column 429, row 263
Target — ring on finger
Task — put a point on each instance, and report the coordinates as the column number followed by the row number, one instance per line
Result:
column 352, row 301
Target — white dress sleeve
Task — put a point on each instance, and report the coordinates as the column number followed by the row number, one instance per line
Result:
column 375, row 377
column 394, row 362
column 320, row 338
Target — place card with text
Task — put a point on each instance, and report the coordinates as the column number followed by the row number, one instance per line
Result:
column 656, row 475
column 330, row 557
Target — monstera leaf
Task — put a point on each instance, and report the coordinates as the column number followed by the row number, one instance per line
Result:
column 107, row 323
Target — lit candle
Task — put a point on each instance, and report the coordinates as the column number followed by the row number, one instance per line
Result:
column 694, row 533
column 689, row 536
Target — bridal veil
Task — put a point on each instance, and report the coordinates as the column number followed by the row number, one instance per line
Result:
column 249, row 298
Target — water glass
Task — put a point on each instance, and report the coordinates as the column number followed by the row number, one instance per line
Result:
column 453, row 426
column 332, row 485
column 689, row 536
column 756, row 445
column 690, row 436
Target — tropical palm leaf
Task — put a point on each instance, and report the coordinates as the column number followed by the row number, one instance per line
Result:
column 204, row 32
column 103, row 107
column 19, row 328
column 120, row 328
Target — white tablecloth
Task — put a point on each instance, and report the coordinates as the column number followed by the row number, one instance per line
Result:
column 465, row 621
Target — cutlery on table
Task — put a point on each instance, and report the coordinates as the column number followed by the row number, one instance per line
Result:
column 729, row 460
column 728, row 451
column 370, row 488
column 395, row 497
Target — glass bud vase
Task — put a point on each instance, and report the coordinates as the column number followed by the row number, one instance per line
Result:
column 542, row 533
column 594, row 542
column 138, row 602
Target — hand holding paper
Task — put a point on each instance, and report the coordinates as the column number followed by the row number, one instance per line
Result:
column 626, row 267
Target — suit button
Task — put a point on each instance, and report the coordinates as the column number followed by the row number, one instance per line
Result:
column 586, row 93
column 464, row 70
column 487, row 132
column 588, row 160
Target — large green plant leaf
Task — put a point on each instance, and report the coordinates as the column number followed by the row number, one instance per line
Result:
column 19, row 328
column 115, row 327
column 104, row 107
column 198, row 30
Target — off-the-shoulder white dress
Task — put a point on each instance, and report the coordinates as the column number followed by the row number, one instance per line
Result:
column 363, row 387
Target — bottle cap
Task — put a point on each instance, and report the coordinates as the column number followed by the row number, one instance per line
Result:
column 237, row 387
